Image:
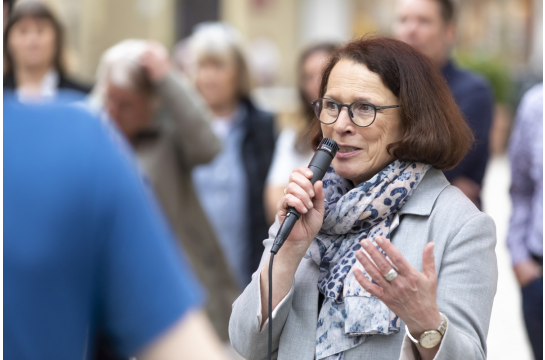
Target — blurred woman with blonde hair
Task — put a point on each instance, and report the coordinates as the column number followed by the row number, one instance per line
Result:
column 231, row 186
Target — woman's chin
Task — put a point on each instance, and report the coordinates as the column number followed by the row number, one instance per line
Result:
column 348, row 171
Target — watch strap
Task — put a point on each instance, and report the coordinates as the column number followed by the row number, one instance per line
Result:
column 443, row 326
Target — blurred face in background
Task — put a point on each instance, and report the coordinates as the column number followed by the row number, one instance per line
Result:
column 32, row 43
column 419, row 23
column 131, row 110
column 312, row 74
column 217, row 81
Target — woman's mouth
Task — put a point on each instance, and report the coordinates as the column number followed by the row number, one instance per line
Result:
column 347, row 151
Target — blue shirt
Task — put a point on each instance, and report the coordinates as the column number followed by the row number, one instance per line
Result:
column 476, row 101
column 525, row 237
column 222, row 189
column 85, row 246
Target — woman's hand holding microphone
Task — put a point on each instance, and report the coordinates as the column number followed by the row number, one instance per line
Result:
column 309, row 200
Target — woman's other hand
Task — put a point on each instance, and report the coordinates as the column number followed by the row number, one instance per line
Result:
column 309, row 200
column 412, row 294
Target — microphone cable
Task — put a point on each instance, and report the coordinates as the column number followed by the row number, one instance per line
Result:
column 319, row 164
column 270, row 305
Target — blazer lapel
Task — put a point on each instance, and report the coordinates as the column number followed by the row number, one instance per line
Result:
column 424, row 197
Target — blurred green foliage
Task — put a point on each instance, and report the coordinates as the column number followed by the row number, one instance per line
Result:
column 494, row 70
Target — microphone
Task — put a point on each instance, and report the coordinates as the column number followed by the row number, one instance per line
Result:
column 319, row 164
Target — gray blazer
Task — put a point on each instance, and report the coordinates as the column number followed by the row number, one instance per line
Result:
column 465, row 261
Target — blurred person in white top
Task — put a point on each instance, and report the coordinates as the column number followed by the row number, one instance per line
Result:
column 293, row 147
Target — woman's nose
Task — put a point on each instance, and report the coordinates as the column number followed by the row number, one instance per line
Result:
column 344, row 124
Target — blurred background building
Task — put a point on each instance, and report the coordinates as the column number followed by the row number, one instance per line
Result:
column 502, row 39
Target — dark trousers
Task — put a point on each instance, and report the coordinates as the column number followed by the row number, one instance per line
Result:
column 532, row 307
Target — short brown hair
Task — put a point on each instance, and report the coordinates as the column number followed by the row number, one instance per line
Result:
column 36, row 10
column 434, row 131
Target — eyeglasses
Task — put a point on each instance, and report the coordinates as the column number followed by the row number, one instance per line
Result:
column 361, row 113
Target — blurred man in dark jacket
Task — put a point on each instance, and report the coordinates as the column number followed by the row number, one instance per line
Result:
column 429, row 25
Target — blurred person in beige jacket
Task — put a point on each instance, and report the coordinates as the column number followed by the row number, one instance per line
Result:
column 168, row 125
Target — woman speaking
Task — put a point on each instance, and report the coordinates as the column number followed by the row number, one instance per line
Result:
column 388, row 260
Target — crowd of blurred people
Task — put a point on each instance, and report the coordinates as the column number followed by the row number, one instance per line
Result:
column 218, row 165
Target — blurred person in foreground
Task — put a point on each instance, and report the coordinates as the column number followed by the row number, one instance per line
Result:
column 525, row 236
column 231, row 187
column 168, row 125
column 430, row 26
column 33, row 55
column 293, row 148
column 427, row 293
column 86, row 249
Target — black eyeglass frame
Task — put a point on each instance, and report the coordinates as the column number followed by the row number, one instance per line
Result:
column 348, row 107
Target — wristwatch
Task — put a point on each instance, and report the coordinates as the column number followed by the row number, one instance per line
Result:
column 431, row 338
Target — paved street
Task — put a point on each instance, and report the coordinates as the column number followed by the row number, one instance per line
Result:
column 507, row 337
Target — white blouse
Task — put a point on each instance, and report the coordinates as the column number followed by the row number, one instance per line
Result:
column 286, row 158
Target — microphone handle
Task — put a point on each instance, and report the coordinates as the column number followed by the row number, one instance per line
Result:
column 317, row 174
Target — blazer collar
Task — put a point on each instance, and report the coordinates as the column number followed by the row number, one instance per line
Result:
column 422, row 201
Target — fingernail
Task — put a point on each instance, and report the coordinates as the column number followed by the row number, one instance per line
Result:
column 379, row 240
column 310, row 205
column 365, row 243
column 311, row 193
column 358, row 255
column 305, row 210
column 309, row 173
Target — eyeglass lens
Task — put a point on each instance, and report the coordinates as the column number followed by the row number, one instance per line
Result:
column 361, row 113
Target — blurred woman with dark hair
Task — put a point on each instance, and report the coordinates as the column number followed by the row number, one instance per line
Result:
column 33, row 49
column 292, row 147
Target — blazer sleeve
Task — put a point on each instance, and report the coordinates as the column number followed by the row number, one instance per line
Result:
column 467, row 283
column 244, row 326
column 189, row 120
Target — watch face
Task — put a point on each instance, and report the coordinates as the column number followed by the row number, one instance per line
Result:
column 430, row 339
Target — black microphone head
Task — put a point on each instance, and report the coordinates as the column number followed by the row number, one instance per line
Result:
column 329, row 145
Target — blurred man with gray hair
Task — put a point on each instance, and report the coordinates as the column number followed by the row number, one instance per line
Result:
column 168, row 125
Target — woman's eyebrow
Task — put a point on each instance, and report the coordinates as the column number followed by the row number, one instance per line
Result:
column 363, row 98
column 355, row 98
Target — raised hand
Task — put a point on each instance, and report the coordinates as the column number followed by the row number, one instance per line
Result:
column 412, row 294
column 155, row 61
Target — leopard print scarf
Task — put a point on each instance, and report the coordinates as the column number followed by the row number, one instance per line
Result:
column 349, row 314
